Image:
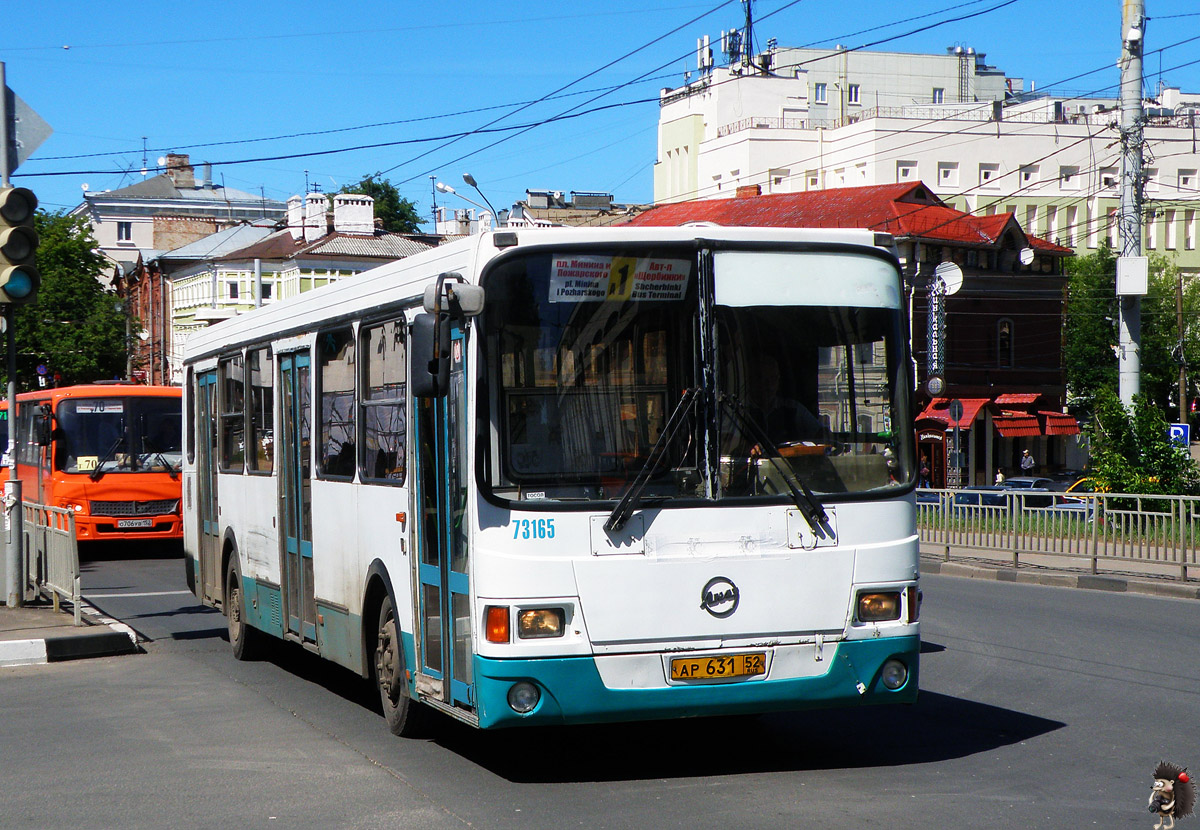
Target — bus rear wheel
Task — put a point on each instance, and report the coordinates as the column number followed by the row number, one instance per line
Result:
column 405, row 717
column 245, row 640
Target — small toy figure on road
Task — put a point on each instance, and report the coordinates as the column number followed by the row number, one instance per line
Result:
column 1173, row 795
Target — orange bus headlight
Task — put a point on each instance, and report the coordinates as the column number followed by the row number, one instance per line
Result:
column 540, row 622
column 879, row 606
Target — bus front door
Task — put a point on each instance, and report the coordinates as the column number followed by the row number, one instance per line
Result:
column 445, row 598
column 295, row 495
column 210, row 577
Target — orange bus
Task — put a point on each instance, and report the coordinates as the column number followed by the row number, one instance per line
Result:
column 110, row 451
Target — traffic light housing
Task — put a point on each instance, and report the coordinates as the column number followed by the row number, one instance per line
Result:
column 19, row 277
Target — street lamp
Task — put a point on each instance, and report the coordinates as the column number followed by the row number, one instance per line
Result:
column 469, row 179
column 442, row 187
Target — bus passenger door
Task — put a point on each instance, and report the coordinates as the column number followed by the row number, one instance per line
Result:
column 445, row 596
column 295, row 495
column 206, row 482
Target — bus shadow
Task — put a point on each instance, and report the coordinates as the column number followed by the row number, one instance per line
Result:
column 936, row 728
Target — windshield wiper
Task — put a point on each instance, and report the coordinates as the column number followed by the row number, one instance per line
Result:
column 170, row 468
column 95, row 474
column 804, row 498
column 629, row 502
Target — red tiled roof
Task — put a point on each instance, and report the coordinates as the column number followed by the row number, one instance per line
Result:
column 903, row 210
column 1016, row 399
column 1059, row 423
column 939, row 410
column 1017, row 426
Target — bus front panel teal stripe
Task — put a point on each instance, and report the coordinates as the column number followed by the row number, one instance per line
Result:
column 573, row 693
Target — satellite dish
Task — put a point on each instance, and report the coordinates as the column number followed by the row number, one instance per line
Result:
column 1026, row 256
column 950, row 275
column 85, row 187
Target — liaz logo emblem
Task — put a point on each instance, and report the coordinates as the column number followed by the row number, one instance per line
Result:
column 719, row 597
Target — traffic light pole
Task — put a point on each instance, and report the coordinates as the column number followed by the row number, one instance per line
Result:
column 13, row 512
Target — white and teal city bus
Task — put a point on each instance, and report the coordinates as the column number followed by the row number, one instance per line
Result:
column 558, row 476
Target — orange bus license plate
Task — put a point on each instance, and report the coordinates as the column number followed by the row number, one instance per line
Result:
column 718, row 668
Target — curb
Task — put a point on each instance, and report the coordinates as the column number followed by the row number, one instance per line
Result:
column 109, row 638
column 1089, row 582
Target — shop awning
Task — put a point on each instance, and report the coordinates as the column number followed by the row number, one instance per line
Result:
column 1014, row 425
column 939, row 410
column 1059, row 423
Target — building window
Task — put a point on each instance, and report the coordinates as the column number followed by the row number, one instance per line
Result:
column 814, row 180
column 384, row 397
column 939, row 95
column 1151, row 176
column 124, row 231
column 1187, row 181
column 1152, row 230
column 1031, row 218
column 947, row 173
column 1108, row 178
column 233, row 290
column 335, row 352
column 1169, row 238
column 906, row 171
column 1004, row 343
column 1068, row 177
column 820, row 93
column 267, row 290
column 1189, row 230
column 262, row 411
column 1029, row 174
column 989, row 176
column 852, row 94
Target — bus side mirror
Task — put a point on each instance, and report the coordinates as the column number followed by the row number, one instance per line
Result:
column 430, row 349
column 41, row 430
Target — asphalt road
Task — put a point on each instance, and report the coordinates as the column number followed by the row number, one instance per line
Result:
column 1040, row 707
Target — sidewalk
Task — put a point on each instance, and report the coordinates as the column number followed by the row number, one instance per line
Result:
column 1151, row 579
column 37, row 634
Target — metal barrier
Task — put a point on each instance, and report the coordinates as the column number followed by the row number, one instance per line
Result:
column 1148, row 531
column 52, row 555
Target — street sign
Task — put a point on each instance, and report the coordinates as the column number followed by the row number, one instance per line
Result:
column 26, row 130
column 1179, row 434
column 956, row 410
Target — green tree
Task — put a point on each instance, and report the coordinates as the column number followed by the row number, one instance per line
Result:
column 75, row 326
column 1131, row 452
column 1090, row 331
column 395, row 213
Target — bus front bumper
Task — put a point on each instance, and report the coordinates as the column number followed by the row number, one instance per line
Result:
column 94, row 528
column 572, row 690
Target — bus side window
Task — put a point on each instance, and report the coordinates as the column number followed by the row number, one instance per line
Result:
column 335, row 351
column 384, row 385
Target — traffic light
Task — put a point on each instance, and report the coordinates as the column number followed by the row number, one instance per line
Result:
column 19, row 277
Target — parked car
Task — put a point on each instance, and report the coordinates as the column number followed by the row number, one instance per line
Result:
column 1027, row 483
column 993, row 499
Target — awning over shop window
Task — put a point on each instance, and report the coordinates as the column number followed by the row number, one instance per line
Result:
column 939, row 410
column 1059, row 423
column 1017, row 426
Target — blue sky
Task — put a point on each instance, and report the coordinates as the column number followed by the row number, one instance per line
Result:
column 241, row 84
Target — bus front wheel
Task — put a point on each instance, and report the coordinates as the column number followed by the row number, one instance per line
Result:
column 244, row 638
column 405, row 717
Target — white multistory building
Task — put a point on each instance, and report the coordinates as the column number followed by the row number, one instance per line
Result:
column 836, row 118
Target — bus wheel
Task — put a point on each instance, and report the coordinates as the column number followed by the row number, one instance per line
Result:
column 405, row 717
column 244, row 639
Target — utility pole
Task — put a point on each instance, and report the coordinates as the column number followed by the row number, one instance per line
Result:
column 1131, row 267
column 14, row 510
column 1183, row 410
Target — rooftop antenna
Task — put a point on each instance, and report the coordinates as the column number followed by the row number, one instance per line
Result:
column 144, row 160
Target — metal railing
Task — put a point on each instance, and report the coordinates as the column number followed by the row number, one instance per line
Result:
column 1152, row 533
column 52, row 555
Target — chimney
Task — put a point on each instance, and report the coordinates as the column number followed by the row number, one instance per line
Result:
column 295, row 217
column 315, row 208
column 354, row 213
column 205, row 182
column 180, row 172
column 745, row 191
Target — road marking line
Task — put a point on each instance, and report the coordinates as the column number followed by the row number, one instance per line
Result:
column 90, row 595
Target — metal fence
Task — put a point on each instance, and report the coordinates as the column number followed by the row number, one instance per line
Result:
column 52, row 555
column 1147, row 532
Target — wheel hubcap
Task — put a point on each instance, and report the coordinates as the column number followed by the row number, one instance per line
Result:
column 386, row 659
column 235, row 612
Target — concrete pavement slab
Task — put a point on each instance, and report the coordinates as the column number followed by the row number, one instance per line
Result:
column 37, row 633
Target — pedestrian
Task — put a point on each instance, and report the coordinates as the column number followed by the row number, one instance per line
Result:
column 1026, row 463
column 923, row 473
column 999, row 475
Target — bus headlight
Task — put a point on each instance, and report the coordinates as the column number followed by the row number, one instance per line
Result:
column 523, row 697
column 71, row 505
column 894, row 675
column 878, row 606
column 540, row 622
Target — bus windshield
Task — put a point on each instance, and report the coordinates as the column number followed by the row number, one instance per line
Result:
column 797, row 358
column 133, row 434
